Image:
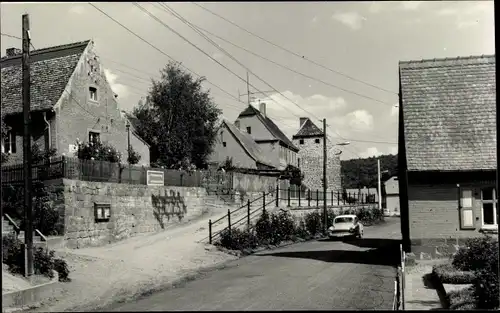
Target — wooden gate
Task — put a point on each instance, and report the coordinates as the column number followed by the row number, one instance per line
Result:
column 217, row 181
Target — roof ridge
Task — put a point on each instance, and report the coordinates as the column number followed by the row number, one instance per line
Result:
column 450, row 58
column 51, row 49
column 449, row 61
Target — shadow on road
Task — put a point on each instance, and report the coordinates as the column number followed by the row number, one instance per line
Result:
column 382, row 252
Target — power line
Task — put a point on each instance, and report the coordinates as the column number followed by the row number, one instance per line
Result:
column 228, row 54
column 294, row 53
column 288, row 68
column 159, row 50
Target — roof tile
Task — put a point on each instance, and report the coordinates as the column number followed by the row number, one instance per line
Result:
column 50, row 71
column 449, row 110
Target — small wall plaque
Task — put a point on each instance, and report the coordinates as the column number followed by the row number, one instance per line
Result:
column 155, row 178
column 102, row 212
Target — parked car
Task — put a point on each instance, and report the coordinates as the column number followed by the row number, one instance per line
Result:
column 346, row 226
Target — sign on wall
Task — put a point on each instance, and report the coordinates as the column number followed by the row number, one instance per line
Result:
column 155, row 178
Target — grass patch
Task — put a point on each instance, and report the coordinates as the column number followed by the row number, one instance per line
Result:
column 448, row 274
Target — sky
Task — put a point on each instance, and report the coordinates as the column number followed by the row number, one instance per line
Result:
column 338, row 60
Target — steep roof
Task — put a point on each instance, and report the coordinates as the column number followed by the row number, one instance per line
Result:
column 248, row 144
column 270, row 125
column 308, row 129
column 449, row 110
column 51, row 69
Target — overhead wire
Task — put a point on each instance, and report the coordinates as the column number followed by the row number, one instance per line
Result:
column 294, row 53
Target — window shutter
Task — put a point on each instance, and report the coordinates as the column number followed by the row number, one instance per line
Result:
column 465, row 207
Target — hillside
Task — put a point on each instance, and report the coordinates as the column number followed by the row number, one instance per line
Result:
column 357, row 173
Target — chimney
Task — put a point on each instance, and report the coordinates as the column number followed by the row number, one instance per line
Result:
column 262, row 108
column 302, row 121
column 237, row 124
column 11, row 52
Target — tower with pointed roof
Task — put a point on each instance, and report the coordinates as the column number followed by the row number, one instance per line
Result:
column 309, row 140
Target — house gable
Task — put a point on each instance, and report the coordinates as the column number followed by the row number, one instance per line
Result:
column 307, row 130
column 449, row 113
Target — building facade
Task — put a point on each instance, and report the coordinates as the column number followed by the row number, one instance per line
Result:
column 70, row 99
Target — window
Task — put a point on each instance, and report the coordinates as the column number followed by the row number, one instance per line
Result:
column 301, row 141
column 223, row 143
column 94, row 137
column 93, row 93
column 9, row 144
column 317, row 141
column 489, row 206
column 249, row 130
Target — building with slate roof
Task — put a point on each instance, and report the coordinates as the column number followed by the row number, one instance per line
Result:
column 309, row 139
column 240, row 147
column 70, row 99
column 447, row 149
column 277, row 147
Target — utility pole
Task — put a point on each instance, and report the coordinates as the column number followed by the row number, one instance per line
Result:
column 26, row 87
column 379, row 186
column 248, row 89
column 325, row 211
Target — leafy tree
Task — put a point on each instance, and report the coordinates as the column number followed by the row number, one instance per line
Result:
column 133, row 156
column 179, row 121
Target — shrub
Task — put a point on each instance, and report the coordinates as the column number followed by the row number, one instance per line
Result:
column 98, row 151
column 301, row 230
column 282, row 227
column 313, row 223
column 237, row 239
column 448, row 274
column 475, row 255
column 263, row 228
column 44, row 261
column 133, row 156
column 462, row 299
column 486, row 289
column 330, row 216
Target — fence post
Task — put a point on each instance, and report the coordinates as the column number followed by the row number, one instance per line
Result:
column 63, row 166
column 300, row 191
column 317, row 197
column 248, row 213
column 229, row 221
column 277, row 195
column 288, row 197
column 338, row 198
column 309, row 197
column 264, row 199
column 332, row 197
column 182, row 176
column 348, row 198
column 210, row 231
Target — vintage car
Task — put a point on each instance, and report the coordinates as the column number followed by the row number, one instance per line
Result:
column 346, row 225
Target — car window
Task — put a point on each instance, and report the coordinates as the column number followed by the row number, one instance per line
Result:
column 343, row 220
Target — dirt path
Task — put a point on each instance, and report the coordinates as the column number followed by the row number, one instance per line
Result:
column 125, row 269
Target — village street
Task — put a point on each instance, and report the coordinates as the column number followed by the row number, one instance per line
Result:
column 313, row 275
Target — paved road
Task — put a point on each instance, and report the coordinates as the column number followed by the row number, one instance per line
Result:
column 353, row 275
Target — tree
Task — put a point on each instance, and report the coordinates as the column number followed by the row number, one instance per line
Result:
column 358, row 173
column 179, row 121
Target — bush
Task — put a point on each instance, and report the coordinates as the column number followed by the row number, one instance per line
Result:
column 98, row 151
column 448, row 274
column 44, row 261
column 282, row 227
column 263, row 228
column 133, row 156
column 313, row 223
column 462, row 299
column 237, row 239
column 330, row 216
column 486, row 289
column 475, row 255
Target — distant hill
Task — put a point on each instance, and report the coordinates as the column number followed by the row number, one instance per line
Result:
column 357, row 173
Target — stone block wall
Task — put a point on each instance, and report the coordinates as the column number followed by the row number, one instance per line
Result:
column 135, row 209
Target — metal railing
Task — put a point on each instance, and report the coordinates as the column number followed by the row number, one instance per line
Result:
column 248, row 217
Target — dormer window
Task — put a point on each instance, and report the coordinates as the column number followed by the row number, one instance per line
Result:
column 93, row 93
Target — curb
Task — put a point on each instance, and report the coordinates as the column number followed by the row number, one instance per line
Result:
column 26, row 299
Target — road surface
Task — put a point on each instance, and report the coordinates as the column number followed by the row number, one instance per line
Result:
column 356, row 275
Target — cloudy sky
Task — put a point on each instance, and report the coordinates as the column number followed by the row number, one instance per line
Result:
column 338, row 60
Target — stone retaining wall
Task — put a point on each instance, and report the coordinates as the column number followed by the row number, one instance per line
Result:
column 135, row 209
